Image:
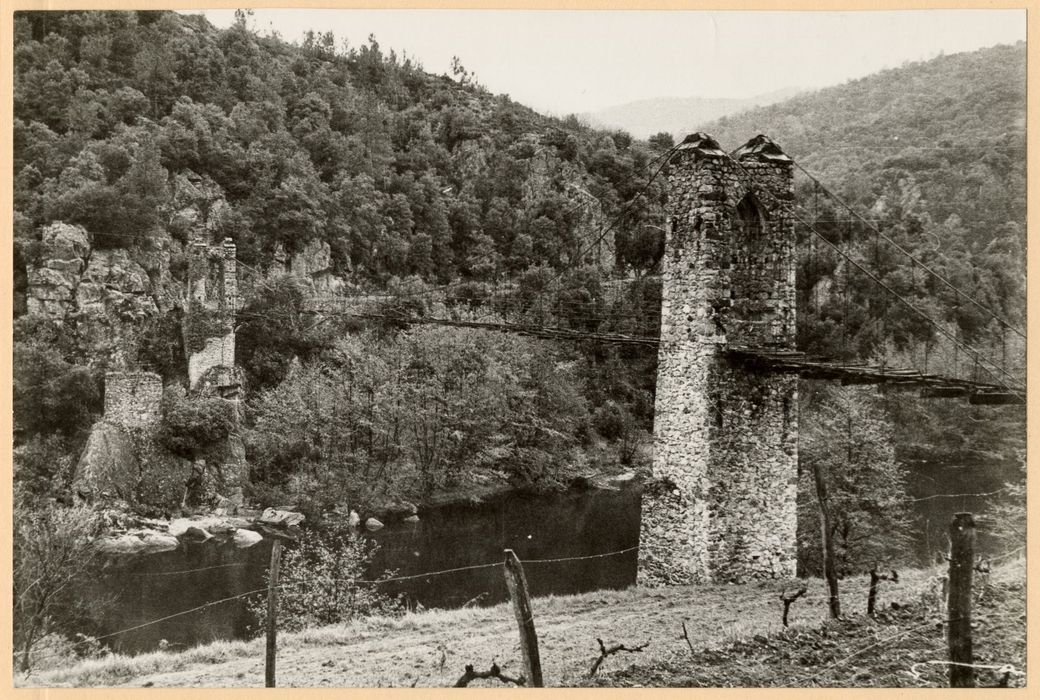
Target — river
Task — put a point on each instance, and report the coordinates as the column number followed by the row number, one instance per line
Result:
column 557, row 526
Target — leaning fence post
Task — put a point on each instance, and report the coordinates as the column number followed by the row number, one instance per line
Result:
column 962, row 560
column 272, row 609
column 872, row 591
column 516, row 582
column 875, row 580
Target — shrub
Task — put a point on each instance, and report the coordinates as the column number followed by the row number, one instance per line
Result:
column 43, row 467
column 50, row 394
column 322, row 581
column 190, row 426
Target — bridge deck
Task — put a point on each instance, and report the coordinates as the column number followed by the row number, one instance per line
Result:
column 771, row 360
column 891, row 378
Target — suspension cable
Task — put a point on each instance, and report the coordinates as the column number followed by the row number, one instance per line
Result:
column 957, row 344
column 908, row 254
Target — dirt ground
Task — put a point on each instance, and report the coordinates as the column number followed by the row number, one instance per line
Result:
column 432, row 648
column 903, row 646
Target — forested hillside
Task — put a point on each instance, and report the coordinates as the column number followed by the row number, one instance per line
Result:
column 399, row 171
column 139, row 130
column 144, row 128
column 933, row 153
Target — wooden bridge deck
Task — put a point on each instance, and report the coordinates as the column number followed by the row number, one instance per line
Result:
column 770, row 360
column 891, row 378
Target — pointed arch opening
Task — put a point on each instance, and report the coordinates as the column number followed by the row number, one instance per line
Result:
column 754, row 270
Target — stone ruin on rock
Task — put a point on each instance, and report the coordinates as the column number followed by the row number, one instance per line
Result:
column 721, row 506
column 209, row 333
column 121, row 452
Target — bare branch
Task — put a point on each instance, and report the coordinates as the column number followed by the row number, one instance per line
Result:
column 605, row 651
column 686, row 635
column 494, row 672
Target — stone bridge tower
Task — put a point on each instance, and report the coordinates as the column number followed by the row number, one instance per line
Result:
column 721, row 506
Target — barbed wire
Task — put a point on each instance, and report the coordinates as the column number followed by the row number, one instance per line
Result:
column 956, row 495
column 188, row 571
column 287, row 586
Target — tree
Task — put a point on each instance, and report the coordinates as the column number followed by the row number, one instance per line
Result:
column 50, row 394
column 53, row 555
column 273, row 330
column 661, row 141
column 848, row 467
column 404, row 415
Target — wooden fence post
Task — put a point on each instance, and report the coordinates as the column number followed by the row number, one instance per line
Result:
column 875, row 581
column 272, row 611
column 830, row 572
column 872, row 591
column 517, row 584
column 962, row 562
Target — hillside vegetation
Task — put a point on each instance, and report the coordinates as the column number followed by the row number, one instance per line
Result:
column 399, row 171
column 934, row 153
column 338, row 168
column 145, row 127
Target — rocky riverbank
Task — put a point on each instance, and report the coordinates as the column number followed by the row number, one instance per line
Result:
column 128, row 534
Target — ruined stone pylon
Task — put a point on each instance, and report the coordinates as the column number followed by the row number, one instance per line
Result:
column 721, row 506
column 209, row 335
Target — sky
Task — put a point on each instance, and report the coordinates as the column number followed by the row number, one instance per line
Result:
column 561, row 62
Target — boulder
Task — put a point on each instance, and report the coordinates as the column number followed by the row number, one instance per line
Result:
column 398, row 509
column 222, row 528
column 196, row 534
column 281, row 518
column 246, row 538
column 412, row 519
column 354, row 520
column 178, row 526
column 137, row 542
column 372, row 525
column 108, row 467
column 209, row 523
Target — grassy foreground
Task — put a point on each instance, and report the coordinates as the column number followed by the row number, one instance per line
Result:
column 734, row 631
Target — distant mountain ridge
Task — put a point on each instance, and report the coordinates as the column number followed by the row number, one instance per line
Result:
column 678, row 115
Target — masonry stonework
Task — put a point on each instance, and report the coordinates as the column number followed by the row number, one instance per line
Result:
column 722, row 504
column 209, row 336
column 133, row 399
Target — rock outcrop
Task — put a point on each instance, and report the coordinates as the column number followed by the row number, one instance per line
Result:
column 114, row 283
column 110, row 293
column 109, row 467
column 313, row 264
column 52, row 282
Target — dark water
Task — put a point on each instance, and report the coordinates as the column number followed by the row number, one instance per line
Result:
column 536, row 527
column 574, row 524
column 933, row 484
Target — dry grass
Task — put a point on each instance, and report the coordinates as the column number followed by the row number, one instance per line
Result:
column 431, row 648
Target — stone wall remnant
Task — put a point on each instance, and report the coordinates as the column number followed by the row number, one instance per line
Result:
column 209, row 335
column 133, row 399
column 722, row 503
